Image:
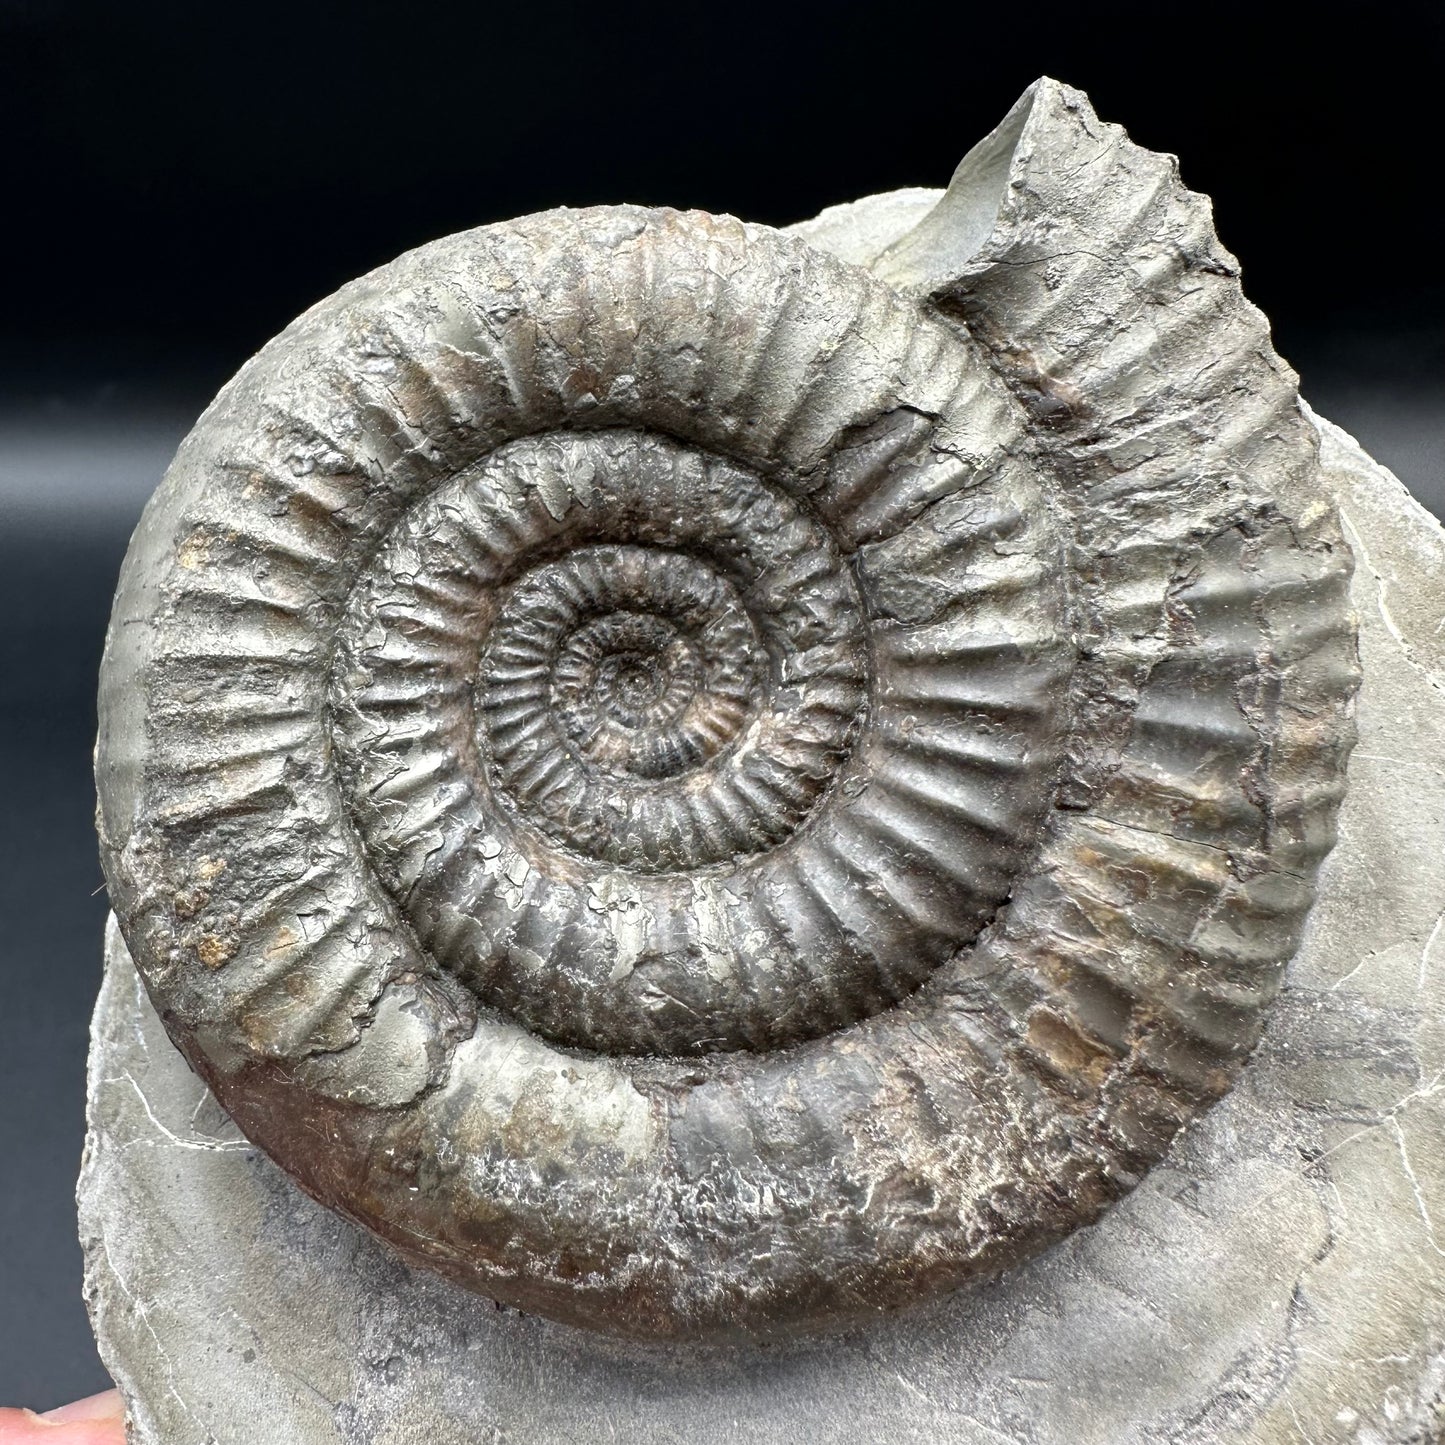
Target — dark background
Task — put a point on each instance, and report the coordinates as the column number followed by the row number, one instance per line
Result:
column 178, row 180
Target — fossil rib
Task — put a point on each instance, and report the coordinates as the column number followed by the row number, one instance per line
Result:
column 703, row 787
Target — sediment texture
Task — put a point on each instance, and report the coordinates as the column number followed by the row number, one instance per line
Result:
column 1278, row 1277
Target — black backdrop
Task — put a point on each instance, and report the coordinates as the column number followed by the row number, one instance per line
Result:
column 179, row 179
column 188, row 176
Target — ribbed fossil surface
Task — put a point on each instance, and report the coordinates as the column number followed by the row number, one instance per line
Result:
column 705, row 787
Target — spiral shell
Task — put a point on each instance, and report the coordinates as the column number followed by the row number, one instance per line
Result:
column 702, row 787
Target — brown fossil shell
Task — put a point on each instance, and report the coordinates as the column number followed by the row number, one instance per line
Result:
column 704, row 787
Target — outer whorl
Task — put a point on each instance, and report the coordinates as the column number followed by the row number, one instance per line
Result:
column 699, row 786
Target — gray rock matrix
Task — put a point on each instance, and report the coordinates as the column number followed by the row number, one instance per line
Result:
column 1106, row 530
column 1280, row 1277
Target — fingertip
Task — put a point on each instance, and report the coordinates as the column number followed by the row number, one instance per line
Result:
column 105, row 1406
column 99, row 1420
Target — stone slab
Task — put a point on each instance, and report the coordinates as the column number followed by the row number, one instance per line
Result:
column 1280, row 1278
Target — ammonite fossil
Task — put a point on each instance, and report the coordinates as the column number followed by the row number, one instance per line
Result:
column 707, row 781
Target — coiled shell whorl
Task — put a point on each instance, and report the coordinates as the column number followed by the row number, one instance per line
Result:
column 704, row 787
